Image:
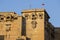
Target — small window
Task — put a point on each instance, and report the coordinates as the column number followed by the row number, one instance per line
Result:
column 41, row 16
column 12, row 17
column 33, row 17
column 2, row 18
column 8, row 17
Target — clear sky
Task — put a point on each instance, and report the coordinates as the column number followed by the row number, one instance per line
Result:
column 51, row 6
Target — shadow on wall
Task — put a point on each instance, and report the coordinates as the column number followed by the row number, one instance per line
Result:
column 23, row 27
column 1, row 37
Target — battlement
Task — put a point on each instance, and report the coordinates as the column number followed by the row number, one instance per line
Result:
column 33, row 10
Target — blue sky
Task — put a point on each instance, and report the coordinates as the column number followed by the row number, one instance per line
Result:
column 51, row 6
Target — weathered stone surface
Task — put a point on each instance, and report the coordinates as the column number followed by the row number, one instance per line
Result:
column 33, row 24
